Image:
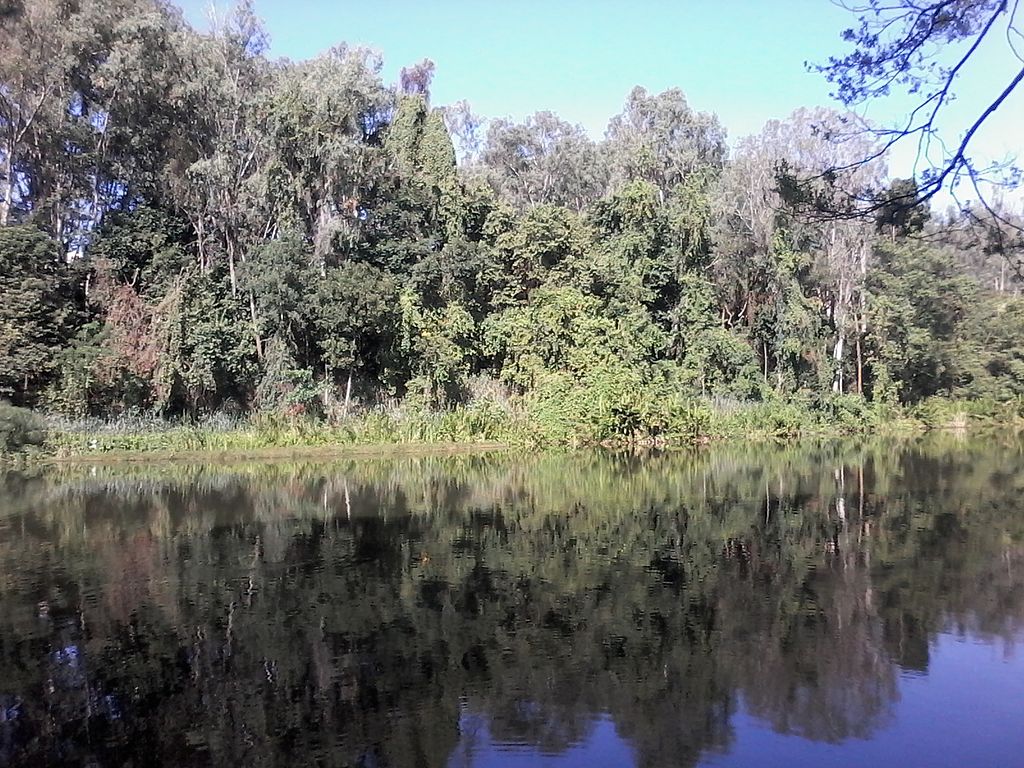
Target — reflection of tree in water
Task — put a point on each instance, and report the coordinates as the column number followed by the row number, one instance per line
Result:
column 823, row 671
column 353, row 615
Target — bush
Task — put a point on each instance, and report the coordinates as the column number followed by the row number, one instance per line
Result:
column 939, row 412
column 614, row 405
column 849, row 413
column 19, row 429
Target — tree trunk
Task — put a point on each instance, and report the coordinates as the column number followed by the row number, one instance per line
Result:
column 255, row 326
column 348, row 391
column 862, row 330
column 837, row 355
column 860, row 367
column 6, row 183
column 231, row 268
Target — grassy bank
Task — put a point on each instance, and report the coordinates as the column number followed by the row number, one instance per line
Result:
column 487, row 425
column 368, row 434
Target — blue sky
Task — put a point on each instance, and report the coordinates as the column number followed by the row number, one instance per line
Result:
column 743, row 59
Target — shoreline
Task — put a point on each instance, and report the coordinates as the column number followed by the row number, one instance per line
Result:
column 459, row 432
column 275, row 453
column 327, row 453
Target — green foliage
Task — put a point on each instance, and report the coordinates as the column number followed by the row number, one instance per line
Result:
column 279, row 277
column 989, row 350
column 660, row 139
column 19, row 429
column 564, row 330
column 439, row 343
column 189, row 228
column 356, row 318
column 920, row 304
column 543, row 161
column 613, row 404
column 36, row 310
column 144, row 248
column 545, row 240
column 419, row 141
column 206, row 356
column 285, row 388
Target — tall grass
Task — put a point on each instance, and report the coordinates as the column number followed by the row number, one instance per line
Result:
column 560, row 419
column 479, row 423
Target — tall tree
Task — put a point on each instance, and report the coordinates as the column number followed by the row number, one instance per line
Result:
column 543, row 160
column 660, row 139
column 324, row 120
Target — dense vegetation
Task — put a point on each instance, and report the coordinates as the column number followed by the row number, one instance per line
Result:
column 189, row 228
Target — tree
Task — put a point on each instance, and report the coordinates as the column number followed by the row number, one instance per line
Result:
column 280, row 277
column 917, row 314
column 36, row 311
column 418, row 139
column 763, row 219
column 206, row 361
column 662, row 140
column 80, row 131
column 464, row 127
column 325, row 117
column 895, row 216
column 440, row 343
column 213, row 228
column 923, row 49
column 356, row 317
column 38, row 42
column 543, row 161
column 540, row 245
column 217, row 176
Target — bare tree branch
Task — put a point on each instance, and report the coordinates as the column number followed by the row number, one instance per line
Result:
column 901, row 42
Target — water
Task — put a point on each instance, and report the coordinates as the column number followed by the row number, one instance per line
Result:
column 837, row 605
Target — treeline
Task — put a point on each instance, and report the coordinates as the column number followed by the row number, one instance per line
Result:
column 188, row 226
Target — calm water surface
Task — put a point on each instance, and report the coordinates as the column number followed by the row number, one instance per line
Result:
column 837, row 605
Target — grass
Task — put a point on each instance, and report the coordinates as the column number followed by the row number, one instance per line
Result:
column 487, row 425
column 373, row 430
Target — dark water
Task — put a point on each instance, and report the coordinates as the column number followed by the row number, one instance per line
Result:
column 851, row 605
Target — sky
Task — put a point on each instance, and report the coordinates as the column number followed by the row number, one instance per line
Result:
column 743, row 59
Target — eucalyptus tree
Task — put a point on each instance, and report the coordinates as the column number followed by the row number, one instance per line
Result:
column 543, row 161
column 80, row 130
column 217, row 176
column 818, row 142
column 763, row 241
column 747, row 262
column 464, row 126
column 134, row 120
column 660, row 139
column 324, row 119
column 38, row 55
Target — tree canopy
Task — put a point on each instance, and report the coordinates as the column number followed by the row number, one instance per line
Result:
column 188, row 226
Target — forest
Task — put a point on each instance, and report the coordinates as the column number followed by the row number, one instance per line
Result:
column 195, row 232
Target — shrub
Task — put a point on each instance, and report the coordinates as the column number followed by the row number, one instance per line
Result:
column 19, row 429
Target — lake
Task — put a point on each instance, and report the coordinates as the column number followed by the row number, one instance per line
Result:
column 839, row 604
